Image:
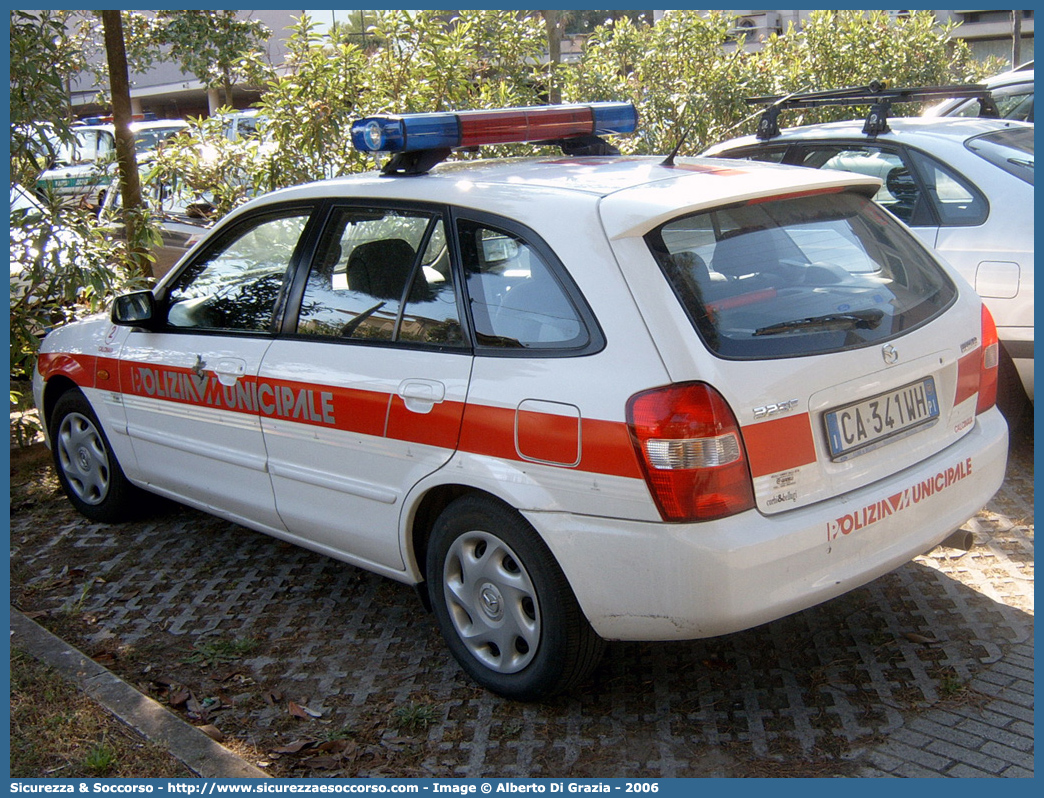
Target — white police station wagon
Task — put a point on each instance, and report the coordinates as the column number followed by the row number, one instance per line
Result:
column 573, row 398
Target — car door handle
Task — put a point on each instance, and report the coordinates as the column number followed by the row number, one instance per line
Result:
column 228, row 370
column 420, row 396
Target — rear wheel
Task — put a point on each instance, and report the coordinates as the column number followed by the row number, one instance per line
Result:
column 1011, row 396
column 87, row 468
column 503, row 604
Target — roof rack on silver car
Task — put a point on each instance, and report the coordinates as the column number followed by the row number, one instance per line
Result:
column 877, row 95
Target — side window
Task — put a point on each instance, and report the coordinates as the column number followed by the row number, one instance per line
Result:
column 106, row 145
column 516, row 300
column 236, row 284
column 89, row 146
column 767, row 155
column 761, row 153
column 899, row 191
column 382, row 275
column 1013, row 102
column 956, row 200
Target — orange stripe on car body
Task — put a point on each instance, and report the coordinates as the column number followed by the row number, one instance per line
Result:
column 81, row 369
column 968, row 376
column 779, row 444
column 606, row 446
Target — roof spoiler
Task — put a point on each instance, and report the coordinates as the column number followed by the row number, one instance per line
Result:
column 876, row 94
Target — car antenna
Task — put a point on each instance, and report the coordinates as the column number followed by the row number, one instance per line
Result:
column 669, row 160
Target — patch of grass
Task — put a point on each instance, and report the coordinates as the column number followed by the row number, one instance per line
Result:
column 414, row 717
column 56, row 729
column 100, row 760
column 333, row 735
column 211, row 653
column 950, row 684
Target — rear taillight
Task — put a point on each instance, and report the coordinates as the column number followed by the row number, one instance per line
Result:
column 989, row 365
column 689, row 444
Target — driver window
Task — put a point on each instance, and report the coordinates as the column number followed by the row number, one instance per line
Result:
column 236, row 285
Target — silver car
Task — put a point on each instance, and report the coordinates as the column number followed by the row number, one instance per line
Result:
column 1012, row 92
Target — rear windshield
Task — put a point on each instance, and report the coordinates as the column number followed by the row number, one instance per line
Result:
column 799, row 276
column 1011, row 150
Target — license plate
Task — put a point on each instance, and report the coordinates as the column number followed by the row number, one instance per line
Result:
column 866, row 425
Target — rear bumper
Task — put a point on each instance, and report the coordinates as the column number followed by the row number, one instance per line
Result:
column 654, row 581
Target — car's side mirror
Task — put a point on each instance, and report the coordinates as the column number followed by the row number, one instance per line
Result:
column 135, row 310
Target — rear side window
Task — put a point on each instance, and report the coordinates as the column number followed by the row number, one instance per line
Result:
column 799, row 276
column 517, row 301
column 1010, row 149
column 957, row 201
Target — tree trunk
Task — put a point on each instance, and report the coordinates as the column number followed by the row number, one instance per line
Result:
column 1016, row 38
column 130, row 186
column 227, row 85
column 553, row 23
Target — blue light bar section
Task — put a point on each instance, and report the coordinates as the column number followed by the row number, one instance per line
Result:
column 614, row 118
column 403, row 133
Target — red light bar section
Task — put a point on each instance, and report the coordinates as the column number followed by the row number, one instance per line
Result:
column 521, row 124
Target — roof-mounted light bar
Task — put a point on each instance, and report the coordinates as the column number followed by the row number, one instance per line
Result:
column 411, row 132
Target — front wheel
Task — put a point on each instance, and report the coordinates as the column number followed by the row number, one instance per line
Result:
column 503, row 604
column 87, row 467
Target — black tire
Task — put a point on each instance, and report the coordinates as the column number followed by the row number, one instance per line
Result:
column 503, row 604
column 1011, row 396
column 87, row 468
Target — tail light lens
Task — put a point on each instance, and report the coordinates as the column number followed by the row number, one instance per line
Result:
column 989, row 367
column 689, row 444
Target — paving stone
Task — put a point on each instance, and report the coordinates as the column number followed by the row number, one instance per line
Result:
column 1017, row 660
column 1015, row 772
column 911, row 770
column 1022, row 728
column 1015, row 671
column 963, row 771
column 1023, row 759
column 884, row 761
column 1022, row 709
column 931, row 729
column 918, row 756
column 1021, row 739
column 958, row 753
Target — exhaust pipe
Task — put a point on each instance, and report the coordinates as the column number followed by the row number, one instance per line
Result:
column 963, row 539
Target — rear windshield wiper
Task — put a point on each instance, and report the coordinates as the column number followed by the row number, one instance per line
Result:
column 859, row 320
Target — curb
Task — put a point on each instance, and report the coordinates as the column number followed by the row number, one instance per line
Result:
column 152, row 720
